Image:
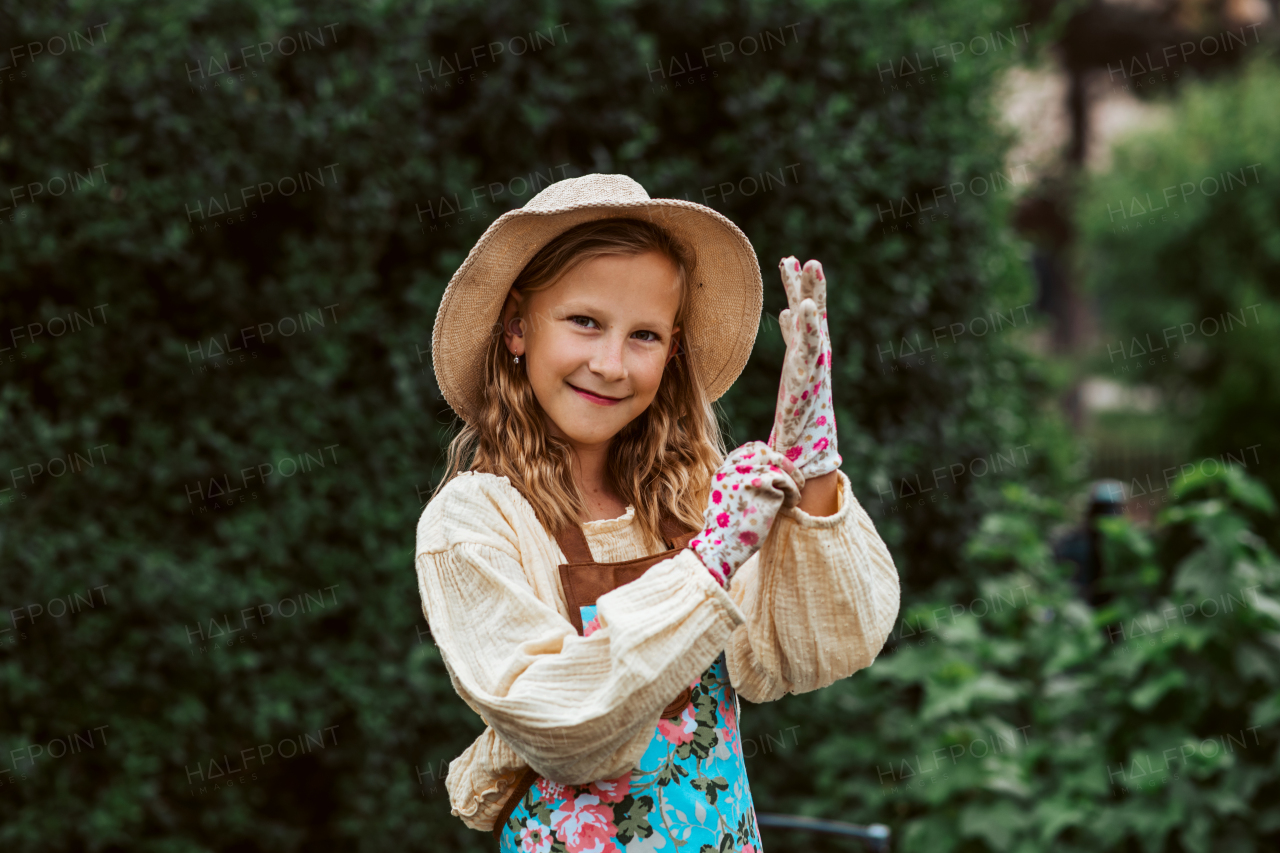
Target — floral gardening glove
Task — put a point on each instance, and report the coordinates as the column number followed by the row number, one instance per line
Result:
column 804, row 426
column 746, row 493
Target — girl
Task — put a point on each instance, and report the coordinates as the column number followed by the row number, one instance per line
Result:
column 592, row 579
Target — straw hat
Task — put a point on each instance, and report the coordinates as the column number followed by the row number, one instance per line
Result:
column 727, row 291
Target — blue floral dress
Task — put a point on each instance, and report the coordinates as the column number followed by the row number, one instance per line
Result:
column 689, row 791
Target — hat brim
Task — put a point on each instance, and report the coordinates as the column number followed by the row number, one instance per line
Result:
column 724, row 313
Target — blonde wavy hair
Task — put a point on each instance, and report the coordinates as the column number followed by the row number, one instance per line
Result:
column 662, row 460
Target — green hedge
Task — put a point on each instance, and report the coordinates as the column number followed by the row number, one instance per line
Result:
column 284, row 198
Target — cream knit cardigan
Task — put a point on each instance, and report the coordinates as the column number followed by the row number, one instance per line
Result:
column 814, row 605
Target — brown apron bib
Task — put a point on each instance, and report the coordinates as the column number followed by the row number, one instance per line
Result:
column 584, row 581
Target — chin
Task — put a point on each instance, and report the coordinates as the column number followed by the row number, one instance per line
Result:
column 592, row 437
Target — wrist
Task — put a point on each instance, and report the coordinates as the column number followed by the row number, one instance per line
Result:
column 818, row 497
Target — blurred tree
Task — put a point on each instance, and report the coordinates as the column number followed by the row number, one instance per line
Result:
column 1181, row 248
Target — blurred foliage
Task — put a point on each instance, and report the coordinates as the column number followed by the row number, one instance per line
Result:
column 178, row 120
column 1181, row 244
column 1021, row 720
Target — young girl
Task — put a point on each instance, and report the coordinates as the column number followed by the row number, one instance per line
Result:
column 604, row 581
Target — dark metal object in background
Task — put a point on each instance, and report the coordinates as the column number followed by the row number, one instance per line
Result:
column 875, row 835
column 1083, row 545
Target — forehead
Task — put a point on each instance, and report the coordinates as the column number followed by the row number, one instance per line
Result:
column 642, row 287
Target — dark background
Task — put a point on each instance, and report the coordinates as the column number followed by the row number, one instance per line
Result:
column 124, row 149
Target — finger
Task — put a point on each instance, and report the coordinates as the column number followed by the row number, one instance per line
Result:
column 801, row 356
column 814, row 285
column 789, row 267
column 786, row 324
column 810, row 327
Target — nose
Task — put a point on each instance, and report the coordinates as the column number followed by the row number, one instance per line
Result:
column 607, row 360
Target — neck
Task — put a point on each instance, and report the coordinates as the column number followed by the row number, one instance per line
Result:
column 589, row 470
column 589, row 464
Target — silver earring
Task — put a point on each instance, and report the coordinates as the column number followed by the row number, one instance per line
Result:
column 517, row 359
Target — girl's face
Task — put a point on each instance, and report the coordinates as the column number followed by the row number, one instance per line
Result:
column 595, row 343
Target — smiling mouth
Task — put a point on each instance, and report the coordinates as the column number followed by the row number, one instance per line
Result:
column 594, row 395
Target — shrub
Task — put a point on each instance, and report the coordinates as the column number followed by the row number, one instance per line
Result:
column 260, row 249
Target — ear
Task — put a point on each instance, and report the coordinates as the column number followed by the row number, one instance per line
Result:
column 675, row 345
column 512, row 323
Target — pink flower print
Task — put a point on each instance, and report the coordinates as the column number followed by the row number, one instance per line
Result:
column 743, row 469
column 804, row 395
column 821, row 421
column 534, row 838
column 820, row 444
column 717, row 496
column 612, row 790
column 748, row 538
column 729, row 731
column 591, row 627
column 680, row 731
column 821, row 357
column 755, row 481
column 586, row 826
column 552, row 792
column 794, row 453
column 720, row 475
column 723, row 519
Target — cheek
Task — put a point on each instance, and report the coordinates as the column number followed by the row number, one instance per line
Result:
column 647, row 375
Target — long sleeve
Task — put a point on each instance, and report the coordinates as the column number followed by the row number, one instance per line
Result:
column 575, row 709
column 820, row 598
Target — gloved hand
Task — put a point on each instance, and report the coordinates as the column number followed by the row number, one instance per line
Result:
column 804, row 425
column 747, row 490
